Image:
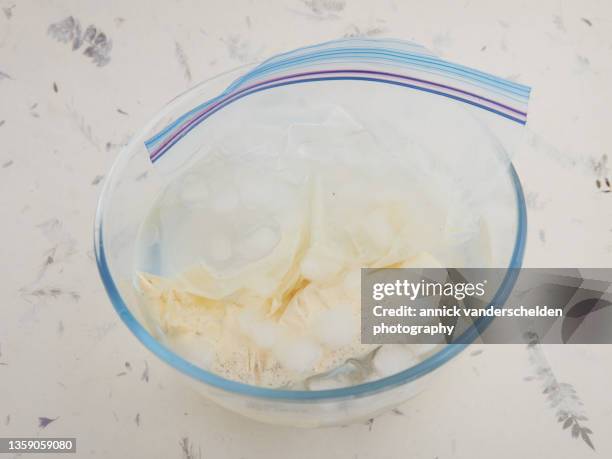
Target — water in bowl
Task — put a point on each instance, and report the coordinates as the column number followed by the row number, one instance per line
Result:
column 249, row 264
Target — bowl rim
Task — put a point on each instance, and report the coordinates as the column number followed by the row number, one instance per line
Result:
column 199, row 374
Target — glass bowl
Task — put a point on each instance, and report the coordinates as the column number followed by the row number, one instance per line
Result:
column 477, row 178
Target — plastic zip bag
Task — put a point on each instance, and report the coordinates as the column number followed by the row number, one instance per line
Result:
column 450, row 129
column 316, row 163
column 378, row 60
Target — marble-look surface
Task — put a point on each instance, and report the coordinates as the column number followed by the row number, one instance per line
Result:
column 68, row 367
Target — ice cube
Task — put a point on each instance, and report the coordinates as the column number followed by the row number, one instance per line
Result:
column 297, row 354
column 319, row 267
column 263, row 332
column 263, row 190
column 340, row 119
column 337, row 124
column 425, row 349
column 225, row 200
column 337, row 327
column 258, row 243
column 422, row 260
column 220, row 248
column 194, row 348
column 325, row 384
column 378, row 229
column 182, row 242
column 352, row 283
column 393, row 358
column 193, row 191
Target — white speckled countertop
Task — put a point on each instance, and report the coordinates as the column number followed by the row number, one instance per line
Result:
column 66, row 107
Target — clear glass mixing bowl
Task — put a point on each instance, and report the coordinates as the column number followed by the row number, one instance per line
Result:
column 134, row 183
